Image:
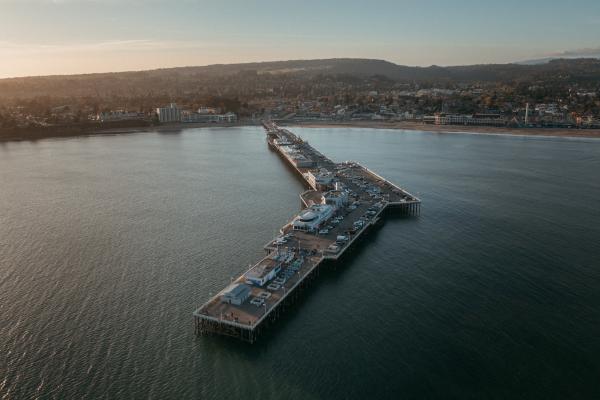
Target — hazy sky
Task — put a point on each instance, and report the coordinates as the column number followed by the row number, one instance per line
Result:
column 39, row 37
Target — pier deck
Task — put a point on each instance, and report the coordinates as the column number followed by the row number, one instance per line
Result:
column 293, row 258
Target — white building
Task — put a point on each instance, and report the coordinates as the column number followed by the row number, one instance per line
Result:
column 169, row 114
column 187, row 116
column 263, row 272
column 236, row 294
column 310, row 219
column 475, row 119
column 320, row 180
column 228, row 117
column 335, row 198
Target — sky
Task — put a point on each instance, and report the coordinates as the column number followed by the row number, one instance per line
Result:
column 46, row 37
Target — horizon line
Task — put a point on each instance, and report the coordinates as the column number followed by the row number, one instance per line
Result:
column 542, row 60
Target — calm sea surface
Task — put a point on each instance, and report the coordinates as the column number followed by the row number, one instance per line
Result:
column 108, row 243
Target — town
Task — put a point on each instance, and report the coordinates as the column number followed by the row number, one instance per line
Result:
column 528, row 97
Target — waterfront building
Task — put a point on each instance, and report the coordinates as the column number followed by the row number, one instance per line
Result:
column 311, row 218
column 335, row 198
column 236, row 294
column 264, row 271
column 296, row 157
column 194, row 117
column 475, row 119
column 301, row 161
column 321, row 179
column 229, row 117
column 169, row 114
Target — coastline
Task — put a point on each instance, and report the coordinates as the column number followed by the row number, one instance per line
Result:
column 16, row 135
column 55, row 132
column 416, row 126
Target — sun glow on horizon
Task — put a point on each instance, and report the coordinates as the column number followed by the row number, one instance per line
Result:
column 70, row 36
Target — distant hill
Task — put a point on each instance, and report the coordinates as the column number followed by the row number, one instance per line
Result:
column 170, row 81
column 593, row 53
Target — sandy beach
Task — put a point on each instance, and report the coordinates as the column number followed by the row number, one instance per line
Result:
column 416, row 126
column 71, row 131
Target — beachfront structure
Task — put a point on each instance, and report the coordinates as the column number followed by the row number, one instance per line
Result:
column 297, row 158
column 193, row 117
column 172, row 113
column 310, row 219
column 228, row 117
column 475, row 119
column 236, row 294
column 320, row 180
column 263, row 272
column 335, row 198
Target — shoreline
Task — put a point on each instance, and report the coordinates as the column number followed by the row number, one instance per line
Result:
column 19, row 135
column 467, row 129
column 57, row 132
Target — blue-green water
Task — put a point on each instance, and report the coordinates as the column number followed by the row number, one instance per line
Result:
column 108, row 243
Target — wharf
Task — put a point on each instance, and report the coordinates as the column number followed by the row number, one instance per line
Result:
column 343, row 202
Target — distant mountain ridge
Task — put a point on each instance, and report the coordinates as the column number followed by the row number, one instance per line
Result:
column 592, row 53
column 173, row 80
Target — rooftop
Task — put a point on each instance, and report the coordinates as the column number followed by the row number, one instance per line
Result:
column 237, row 290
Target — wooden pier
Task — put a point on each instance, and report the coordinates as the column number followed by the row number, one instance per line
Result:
column 350, row 199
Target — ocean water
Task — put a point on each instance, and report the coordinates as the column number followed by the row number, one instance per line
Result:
column 108, row 243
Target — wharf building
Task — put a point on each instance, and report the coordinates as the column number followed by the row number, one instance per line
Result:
column 335, row 198
column 311, row 219
column 172, row 113
column 320, row 180
column 296, row 157
column 236, row 294
column 264, row 271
